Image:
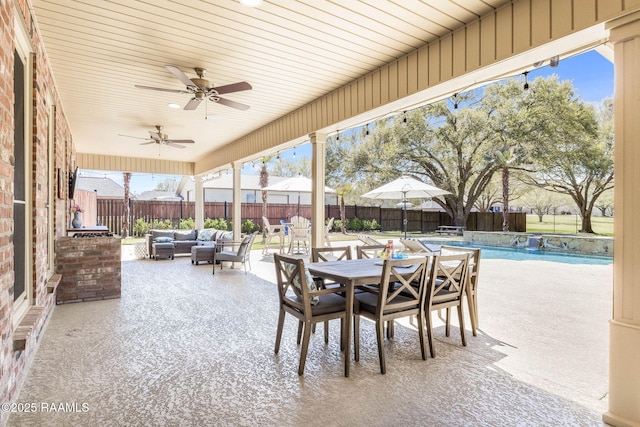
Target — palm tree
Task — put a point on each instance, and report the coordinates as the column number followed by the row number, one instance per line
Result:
column 343, row 189
column 126, row 176
column 264, row 181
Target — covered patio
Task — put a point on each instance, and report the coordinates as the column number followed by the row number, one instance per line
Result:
column 184, row 347
column 316, row 68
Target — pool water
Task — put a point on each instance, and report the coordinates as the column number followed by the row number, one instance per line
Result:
column 521, row 254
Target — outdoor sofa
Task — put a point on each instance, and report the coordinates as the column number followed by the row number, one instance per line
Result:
column 184, row 240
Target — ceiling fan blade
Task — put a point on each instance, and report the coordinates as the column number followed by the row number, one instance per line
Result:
column 180, row 75
column 129, row 136
column 174, row 145
column 180, row 141
column 235, row 87
column 230, row 103
column 147, row 143
column 192, row 104
column 161, row 89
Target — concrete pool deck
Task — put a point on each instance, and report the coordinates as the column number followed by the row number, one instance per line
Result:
column 184, row 347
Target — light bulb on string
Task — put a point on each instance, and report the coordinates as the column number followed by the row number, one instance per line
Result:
column 337, row 135
column 367, row 131
column 526, row 82
column 294, row 151
column 404, row 119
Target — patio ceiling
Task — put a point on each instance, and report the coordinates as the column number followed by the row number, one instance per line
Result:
column 291, row 52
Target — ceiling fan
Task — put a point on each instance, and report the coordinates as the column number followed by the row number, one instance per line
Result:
column 201, row 89
column 157, row 137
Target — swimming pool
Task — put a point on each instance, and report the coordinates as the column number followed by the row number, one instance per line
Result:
column 518, row 254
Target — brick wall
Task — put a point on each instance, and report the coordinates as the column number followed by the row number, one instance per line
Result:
column 15, row 360
column 90, row 268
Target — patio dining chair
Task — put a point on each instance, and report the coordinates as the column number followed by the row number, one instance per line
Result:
column 301, row 298
column 323, row 255
column 240, row 255
column 472, row 280
column 444, row 289
column 369, row 251
column 396, row 296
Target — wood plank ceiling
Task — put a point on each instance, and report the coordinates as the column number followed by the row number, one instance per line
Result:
column 291, row 52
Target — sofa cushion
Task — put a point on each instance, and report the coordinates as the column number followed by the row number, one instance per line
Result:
column 162, row 233
column 182, row 235
column 206, row 234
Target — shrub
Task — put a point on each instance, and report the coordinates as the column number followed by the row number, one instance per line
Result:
column 249, row 227
column 370, row 225
column 161, row 225
column 187, row 224
column 355, row 224
column 140, row 227
column 218, row 224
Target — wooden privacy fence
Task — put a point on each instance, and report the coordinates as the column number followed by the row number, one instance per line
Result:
column 111, row 213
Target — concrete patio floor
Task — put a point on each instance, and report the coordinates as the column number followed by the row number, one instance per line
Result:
column 183, row 347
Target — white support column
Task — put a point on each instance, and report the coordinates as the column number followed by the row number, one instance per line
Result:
column 199, row 201
column 624, row 328
column 318, row 145
column 237, row 200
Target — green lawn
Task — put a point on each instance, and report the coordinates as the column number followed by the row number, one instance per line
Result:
column 568, row 224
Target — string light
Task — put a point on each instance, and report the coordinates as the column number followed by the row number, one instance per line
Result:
column 526, row 83
column 404, row 119
column 294, row 151
column 338, row 135
column 367, row 131
column 455, row 101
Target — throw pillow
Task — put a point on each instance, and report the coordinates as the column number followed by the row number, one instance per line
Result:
column 206, row 234
column 311, row 285
column 163, row 240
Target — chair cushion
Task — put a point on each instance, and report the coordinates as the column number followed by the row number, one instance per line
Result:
column 329, row 303
column 183, row 235
column 369, row 302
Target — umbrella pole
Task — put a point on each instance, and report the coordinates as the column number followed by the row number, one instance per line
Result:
column 404, row 213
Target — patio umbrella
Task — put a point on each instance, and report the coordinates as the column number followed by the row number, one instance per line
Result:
column 296, row 184
column 403, row 188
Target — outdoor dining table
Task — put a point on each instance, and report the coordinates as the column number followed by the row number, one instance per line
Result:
column 350, row 273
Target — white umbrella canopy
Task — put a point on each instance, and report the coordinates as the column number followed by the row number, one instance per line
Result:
column 405, row 187
column 297, row 184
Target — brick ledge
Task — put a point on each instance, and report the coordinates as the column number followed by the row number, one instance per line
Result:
column 24, row 329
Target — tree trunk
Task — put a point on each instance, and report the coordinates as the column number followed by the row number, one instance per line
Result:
column 540, row 217
column 126, row 177
column 343, row 227
column 586, row 222
column 505, row 199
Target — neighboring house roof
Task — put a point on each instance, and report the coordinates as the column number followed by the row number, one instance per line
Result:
column 158, row 195
column 105, row 188
column 247, row 182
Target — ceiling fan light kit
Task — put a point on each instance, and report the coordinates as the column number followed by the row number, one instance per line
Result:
column 201, row 89
column 160, row 138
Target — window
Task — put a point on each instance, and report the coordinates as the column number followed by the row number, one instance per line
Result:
column 22, row 87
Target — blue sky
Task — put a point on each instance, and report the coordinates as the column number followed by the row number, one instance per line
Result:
column 590, row 73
